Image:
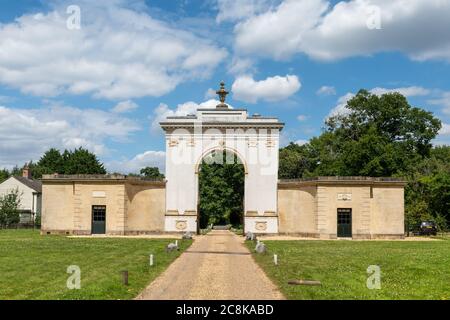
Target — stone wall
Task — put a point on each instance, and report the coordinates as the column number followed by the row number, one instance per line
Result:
column 146, row 208
column 306, row 208
column 309, row 208
column 132, row 206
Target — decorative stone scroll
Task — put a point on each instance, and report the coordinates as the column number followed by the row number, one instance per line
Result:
column 173, row 143
column 344, row 196
column 261, row 225
column 181, row 224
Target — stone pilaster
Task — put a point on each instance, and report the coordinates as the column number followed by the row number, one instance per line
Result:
column 77, row 207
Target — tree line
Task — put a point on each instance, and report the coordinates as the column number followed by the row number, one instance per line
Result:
column 77, row 161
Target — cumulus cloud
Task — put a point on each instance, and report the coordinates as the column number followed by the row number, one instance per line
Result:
column 28, row 133
column 326, row 91
column 277, row 88
column 406, row 91
column 232, row 10
column 210, row 93
column 118, row 53
column 341, row 107
column 445, row 130
column 241, row 66
column 301, row 142
column 323, row 31
column 163, row 111
column 134, row 165
column 125, row 106
column 443, row 100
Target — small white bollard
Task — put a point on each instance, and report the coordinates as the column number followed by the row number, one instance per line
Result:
column 275, row 259
column 176, row 243
column 151, row 260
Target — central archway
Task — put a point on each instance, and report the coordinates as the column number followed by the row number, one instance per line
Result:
column 189, row 138
column 221, row 176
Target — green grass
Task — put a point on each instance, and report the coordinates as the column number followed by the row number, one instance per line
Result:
column 34, row 266
column 409, row 270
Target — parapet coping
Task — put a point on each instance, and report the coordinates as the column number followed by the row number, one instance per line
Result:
column 342, row 180
column 96, row 178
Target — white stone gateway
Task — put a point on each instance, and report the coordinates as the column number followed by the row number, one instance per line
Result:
column 255, row 142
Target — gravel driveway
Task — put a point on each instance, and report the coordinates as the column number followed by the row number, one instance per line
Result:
column 216, row 267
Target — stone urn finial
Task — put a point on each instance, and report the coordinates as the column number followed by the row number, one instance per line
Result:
column 222, row 93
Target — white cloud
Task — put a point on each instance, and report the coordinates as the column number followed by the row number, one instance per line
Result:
column 240, row 66
column 210, row 93
column 125, row 106
column 341, row 107
column 443, row 101
column 163, row 111
column 412, row 91
column 28, row 133
column 302, row 117
column 118, row 53
column 417, row 28
column 406, row 91
column 232, row 10
column 445, row 130
column 246, row 89
column 326, row 91
column 301, row 142
column 142, row 160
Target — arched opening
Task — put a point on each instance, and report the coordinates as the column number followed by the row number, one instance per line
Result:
column 221, row 185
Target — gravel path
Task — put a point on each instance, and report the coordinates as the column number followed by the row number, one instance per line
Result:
column 216, row 267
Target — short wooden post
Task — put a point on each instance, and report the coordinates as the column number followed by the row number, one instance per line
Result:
column 125, row 277
column 305, row 282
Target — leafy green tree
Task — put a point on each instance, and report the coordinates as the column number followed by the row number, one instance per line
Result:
column 4, row 174
column 9, row 208
column 51, row 162
column 16, row 171
column 81, row 161
column 379, row 136
column 151, row 173
column 221, row 188
column 294, row 162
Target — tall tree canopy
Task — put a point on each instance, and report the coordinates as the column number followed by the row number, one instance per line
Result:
column 221, row 188
column 81, row 161
column 78, row 161
column 51, row 162
column 151, row 173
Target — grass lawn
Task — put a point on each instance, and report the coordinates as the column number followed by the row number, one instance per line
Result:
column 409, row 270
column 34, row 266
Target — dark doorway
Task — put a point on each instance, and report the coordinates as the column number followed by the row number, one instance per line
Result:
column 98, row 219
column 344, row 223
column 221, row 190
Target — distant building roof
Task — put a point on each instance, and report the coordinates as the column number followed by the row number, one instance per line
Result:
column 36, row 185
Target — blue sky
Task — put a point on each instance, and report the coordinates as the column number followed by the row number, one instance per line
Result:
column 106, row 84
